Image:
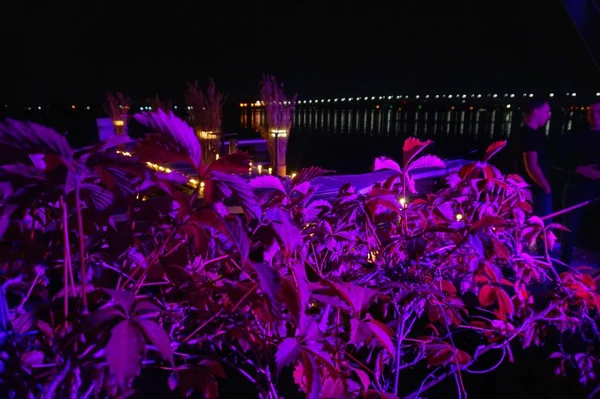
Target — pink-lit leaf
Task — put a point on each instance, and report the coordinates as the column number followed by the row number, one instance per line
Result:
column 384, row 335
column 32, row 138
column 236, row 163
column 288, row 350
column 299, row 272
column 550, row 240
column 104, row 315
column 557, row 226
column 124, row 352
column 267, row 182
column 159, row 338
column 314, row 208
column 268, row 279
column 289, row 234
column 222, row 185
column 386, row 163
column 493, row 149
column 125, row 299
column 239, row 237
column 32, row 358
column 439, row 354
column 487, row 295
column 364, row 378
column 312, row 376
column 303, row 188
column 412, row 147
column 360, row 298
column 307, row 174
column 427, row 161
column 488, row 221
column 334, row 387
column 176, row 138
column 505, row 304
column 359, row 332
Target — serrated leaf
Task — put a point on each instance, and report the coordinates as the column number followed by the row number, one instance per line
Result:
column 175, row 138
column 307, row 174
column 299, row 272
column 386, row 163
column 100, row 198
column 493, row 149
column 384, row 335
column 159, row 338
column 313, row 209
column 125, row 299
column 267, row 182
column 302, row 188
column 360, row 298
column 268, row 279
column 427, row 161
column 285, row 228
column 312, row 376
column 124, row 352
column 364, row 378
column 32, row 138
column 287, row 351
column 488, row 221
column 227, row 185
column 103, row 315
column 239, row 237
column 411, row 148
column 359, row 332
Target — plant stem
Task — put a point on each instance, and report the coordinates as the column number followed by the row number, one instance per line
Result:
column 49, row 394
column 67, row 256
column 399, row 337
column 81, row 248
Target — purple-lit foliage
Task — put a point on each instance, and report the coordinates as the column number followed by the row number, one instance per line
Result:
column 109, row 267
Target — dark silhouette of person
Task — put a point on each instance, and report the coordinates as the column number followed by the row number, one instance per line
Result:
column 582, row 149
column 531, row 156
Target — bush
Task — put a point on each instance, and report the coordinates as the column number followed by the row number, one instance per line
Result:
column 109, row 266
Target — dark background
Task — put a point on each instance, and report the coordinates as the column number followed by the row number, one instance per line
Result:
column 57, row 52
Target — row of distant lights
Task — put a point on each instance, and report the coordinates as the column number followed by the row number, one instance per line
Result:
column 400, row 97
column 373, row 98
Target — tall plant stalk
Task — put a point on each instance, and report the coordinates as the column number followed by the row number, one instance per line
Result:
column 206, row 111
column 279, row 112
column 81, row 247
column 67, row 255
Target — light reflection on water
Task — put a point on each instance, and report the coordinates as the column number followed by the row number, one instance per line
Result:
column 348, row 139
column 477, row 123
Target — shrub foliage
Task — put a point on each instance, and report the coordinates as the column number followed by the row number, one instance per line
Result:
column 109, row 267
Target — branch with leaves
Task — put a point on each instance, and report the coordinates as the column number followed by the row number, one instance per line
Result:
column 114, row 268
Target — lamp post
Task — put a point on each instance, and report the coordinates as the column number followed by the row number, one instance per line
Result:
column 280, row 137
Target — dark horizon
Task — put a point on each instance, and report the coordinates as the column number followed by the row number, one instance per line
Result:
column 63, row 55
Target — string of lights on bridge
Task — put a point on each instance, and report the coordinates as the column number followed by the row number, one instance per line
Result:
column 345, row 100
column 407, row 97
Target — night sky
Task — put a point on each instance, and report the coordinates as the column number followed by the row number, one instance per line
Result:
column 64, row 54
